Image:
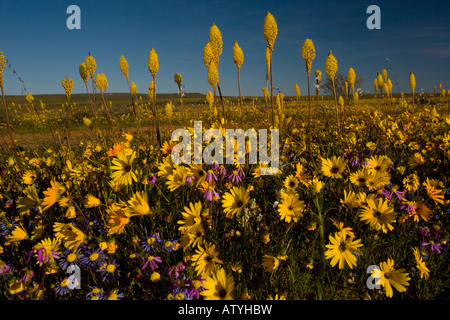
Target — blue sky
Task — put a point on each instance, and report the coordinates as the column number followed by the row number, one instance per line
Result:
column 414, row 35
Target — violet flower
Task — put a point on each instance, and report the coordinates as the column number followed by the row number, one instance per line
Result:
column 152, row 261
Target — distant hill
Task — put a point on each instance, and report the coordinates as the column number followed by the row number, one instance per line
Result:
column 81, row 98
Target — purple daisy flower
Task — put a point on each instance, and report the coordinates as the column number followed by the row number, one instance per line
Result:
column 434, row 246
column 4, row 268
column 176, row 269
column 210, row 175
column 150, row 242
column 28, row 275
column 209, row 193
column 70, row 259
column 95, row 293
column 62, row 287
column 234, row 177
column 152, row 178
column 150, row 260
column 42, row 255
column 195, row 287
column 170, row 245
column 110, row 271
column 94, row 258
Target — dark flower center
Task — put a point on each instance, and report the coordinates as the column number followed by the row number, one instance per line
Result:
column 376, row 213
column 342, row 246
column 291, row 207
column 334, row 169
column 291, row 184
column 208, row 259
column 127, row 168
column 387, row 275
column 222, row 293
column 201, row 173
column 239, row 203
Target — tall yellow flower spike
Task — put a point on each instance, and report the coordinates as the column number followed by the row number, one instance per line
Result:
column 207, row 54
column 308, row 54
column 153, row 63
column 384, row 74
column 133, row 88
column 84, row 74
column 177, row 78
column 331, row 66
column 389, row 83
column 101, row 82
column 270, row 30
column 412, row 84
column 297, row 90
column 68, row 86
column 238, row 55
column 29, row 97
column 91, row 65
column 215, row 40
column 412, row 81
column 210, row 98
column 386, row 88
column 238, row 58
column 380, row 81
column 351, row 78
column 213, row 74
column 123, row 63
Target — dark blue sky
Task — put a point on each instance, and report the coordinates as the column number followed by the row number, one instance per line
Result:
column 414, row 35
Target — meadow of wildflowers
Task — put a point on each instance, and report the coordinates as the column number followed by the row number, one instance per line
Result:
column 363, row 183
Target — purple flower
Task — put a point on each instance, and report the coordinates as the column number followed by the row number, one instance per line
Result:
column 180, row 283
column 152, row 178
column 170, row 245
column 150, row 242
column 393, row 191
column 355, row 162
column 411, row 207
column 70, row 259
column 42, row 255
column 152, row 261
column 434, row 247
column 62, row 287
column 176, row 270
column 29, row 274
column 95, row 293
column 210, row 175
column 209, row 192
column 4, row 268
column 110, row 271
column 220, row 169
column 195, row 287
column 234, row 177
column 425, row 232
column 94, row 258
